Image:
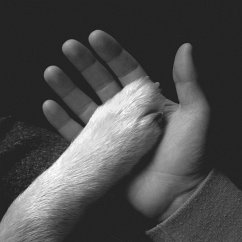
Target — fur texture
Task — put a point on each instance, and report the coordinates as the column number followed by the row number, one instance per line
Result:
column 117, row 136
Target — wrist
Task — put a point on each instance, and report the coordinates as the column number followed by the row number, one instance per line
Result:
column 179, row 200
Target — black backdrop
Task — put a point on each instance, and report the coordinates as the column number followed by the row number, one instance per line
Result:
column 32, row 33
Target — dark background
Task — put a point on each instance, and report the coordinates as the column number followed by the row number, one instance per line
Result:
column 32, row 33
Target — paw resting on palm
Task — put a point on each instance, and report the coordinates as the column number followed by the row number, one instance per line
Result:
column 125, row 128
column 129, row 116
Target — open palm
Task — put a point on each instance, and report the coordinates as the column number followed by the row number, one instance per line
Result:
column 175, row 167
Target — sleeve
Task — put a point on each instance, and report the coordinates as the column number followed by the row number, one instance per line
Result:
column 212, row 213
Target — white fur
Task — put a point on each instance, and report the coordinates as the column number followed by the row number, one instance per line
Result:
column 117, row 136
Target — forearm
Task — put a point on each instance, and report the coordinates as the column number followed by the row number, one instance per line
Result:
column 117, row 136
column 48, row 209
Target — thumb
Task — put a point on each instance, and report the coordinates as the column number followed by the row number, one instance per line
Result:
column 185, row 77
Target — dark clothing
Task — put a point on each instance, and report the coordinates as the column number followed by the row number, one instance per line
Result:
column 213, row 213
column 25, row 152
column 32, row 32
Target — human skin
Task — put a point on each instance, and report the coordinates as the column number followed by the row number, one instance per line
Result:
column 175, row 169
column 116, row 137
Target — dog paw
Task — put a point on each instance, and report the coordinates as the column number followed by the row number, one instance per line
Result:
column 128, row 125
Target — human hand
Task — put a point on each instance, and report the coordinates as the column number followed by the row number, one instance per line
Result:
column 115, row 139
column 174, row 170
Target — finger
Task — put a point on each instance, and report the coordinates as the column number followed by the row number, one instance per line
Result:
column 185, row 78
column 92, row 70
column 125, row 67
column 77, row 101
column 60, row 120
